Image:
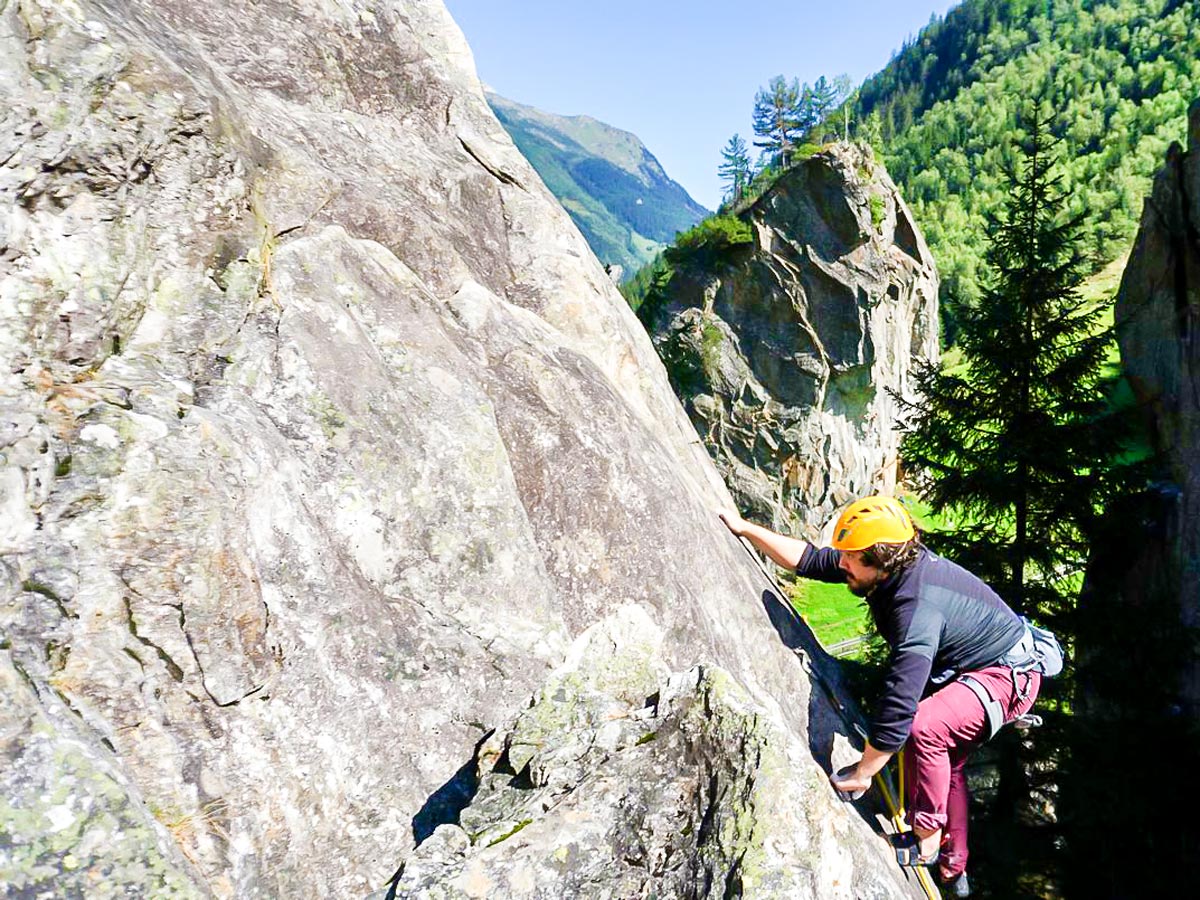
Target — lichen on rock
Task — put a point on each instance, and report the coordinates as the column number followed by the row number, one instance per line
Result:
column 70, row 823
column 623, row 779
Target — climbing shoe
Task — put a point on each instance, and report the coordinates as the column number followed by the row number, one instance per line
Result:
column 958, row 886
column 908, row 850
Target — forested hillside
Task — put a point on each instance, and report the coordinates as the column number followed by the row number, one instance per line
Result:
column 1116, row 75
column 610, row 184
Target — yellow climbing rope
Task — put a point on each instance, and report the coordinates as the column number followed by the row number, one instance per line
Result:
column 895, row 805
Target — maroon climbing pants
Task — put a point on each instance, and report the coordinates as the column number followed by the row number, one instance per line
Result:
column 948, row 726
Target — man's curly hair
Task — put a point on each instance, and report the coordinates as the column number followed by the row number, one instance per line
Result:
column 894, row 558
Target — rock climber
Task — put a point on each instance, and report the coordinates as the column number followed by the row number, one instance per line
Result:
column 961, row 665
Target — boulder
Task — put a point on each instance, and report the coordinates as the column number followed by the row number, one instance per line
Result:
column 789, row 350
column 623, row 779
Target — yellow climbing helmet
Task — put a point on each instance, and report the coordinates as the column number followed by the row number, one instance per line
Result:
column 870, row 521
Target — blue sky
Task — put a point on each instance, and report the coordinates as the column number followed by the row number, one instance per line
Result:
column 679, row 75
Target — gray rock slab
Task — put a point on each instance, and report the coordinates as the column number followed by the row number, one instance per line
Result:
column 622, row 779
column 322, row 438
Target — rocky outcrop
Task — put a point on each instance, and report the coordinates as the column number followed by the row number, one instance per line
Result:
column 324, row 440
column 1158, row 328
column 623, row 779
column 786, row 351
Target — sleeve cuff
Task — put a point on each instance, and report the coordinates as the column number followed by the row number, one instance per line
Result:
column 888, row 746
column 808, row 547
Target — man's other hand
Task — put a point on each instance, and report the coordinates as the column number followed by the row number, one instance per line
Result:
column 849, row 784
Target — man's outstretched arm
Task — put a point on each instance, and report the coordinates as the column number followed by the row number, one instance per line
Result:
column 785, row 551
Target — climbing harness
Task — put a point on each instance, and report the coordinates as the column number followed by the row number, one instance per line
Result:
column 992, row 708
column 1038, row 650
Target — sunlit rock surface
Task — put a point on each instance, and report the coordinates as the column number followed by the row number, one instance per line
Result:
column 787, row 351
column 622, row 779
column 324, row 439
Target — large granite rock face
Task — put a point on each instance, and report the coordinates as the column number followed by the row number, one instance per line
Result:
column 324, row 438
column 787, row 351
column 1158, row 328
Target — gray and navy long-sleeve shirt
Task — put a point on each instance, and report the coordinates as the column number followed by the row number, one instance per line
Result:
column 938, row 619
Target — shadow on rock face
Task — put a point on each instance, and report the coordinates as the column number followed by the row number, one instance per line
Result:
column 827, row 724
column 824, row 721
column 787, row 623
column 447, row 802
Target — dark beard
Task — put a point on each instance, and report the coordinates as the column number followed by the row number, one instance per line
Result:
column 863, row 589
column 860, row 589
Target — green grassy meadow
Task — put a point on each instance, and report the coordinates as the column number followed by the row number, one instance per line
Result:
column 831, row 611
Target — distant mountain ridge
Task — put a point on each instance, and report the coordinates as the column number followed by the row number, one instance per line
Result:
column 613, row 188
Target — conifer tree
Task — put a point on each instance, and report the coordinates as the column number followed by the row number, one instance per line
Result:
column 845, row 96
column 777, row 118
column 806, row 111
column 735, row 170
column 824, row 99
column 1014, row 441
column 870, row 130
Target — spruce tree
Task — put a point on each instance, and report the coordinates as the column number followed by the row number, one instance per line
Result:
column 1012, row 441
column 806, row 112
column 776, row 119
column 845, row 96
column 824, row 99
column 735, row 170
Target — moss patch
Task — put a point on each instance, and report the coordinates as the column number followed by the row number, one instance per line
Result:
column 878, row 210
column 510, row 832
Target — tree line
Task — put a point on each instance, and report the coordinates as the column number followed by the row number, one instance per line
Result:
column 942, row 115
column 1119, row 75
column 787, row 117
